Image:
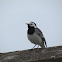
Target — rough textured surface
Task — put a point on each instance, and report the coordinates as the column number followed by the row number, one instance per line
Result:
column 51, row 54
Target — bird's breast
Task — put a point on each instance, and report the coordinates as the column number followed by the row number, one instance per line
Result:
column 34, row 38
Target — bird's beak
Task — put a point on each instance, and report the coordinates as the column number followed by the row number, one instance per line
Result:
column 27, row 23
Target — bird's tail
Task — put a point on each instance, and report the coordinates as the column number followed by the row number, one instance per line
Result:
column 45, row 44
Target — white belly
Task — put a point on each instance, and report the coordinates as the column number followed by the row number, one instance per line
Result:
column 35, row 39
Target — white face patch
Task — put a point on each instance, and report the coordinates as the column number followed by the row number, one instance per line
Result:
column 32, row 24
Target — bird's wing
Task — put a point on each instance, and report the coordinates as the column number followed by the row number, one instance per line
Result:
column 39, row 33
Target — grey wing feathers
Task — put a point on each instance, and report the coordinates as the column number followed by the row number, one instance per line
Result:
column 37, row 31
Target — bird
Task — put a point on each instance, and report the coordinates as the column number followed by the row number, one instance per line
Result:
column 35, row 35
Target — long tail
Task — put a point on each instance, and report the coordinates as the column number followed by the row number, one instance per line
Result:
column 45, row 44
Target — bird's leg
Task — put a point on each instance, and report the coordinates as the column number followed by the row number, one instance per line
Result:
column 34, row 46
column 38, row 46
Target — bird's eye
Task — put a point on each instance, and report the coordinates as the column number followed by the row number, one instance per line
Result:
column 31, row 24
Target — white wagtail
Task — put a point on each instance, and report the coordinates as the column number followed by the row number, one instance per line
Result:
column 35, row 35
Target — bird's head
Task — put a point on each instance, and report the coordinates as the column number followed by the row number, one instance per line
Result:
column 31, row 25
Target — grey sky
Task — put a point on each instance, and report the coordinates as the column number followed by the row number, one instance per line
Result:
column 47, row 14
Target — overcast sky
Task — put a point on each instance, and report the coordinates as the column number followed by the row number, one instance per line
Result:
column 47, row 14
